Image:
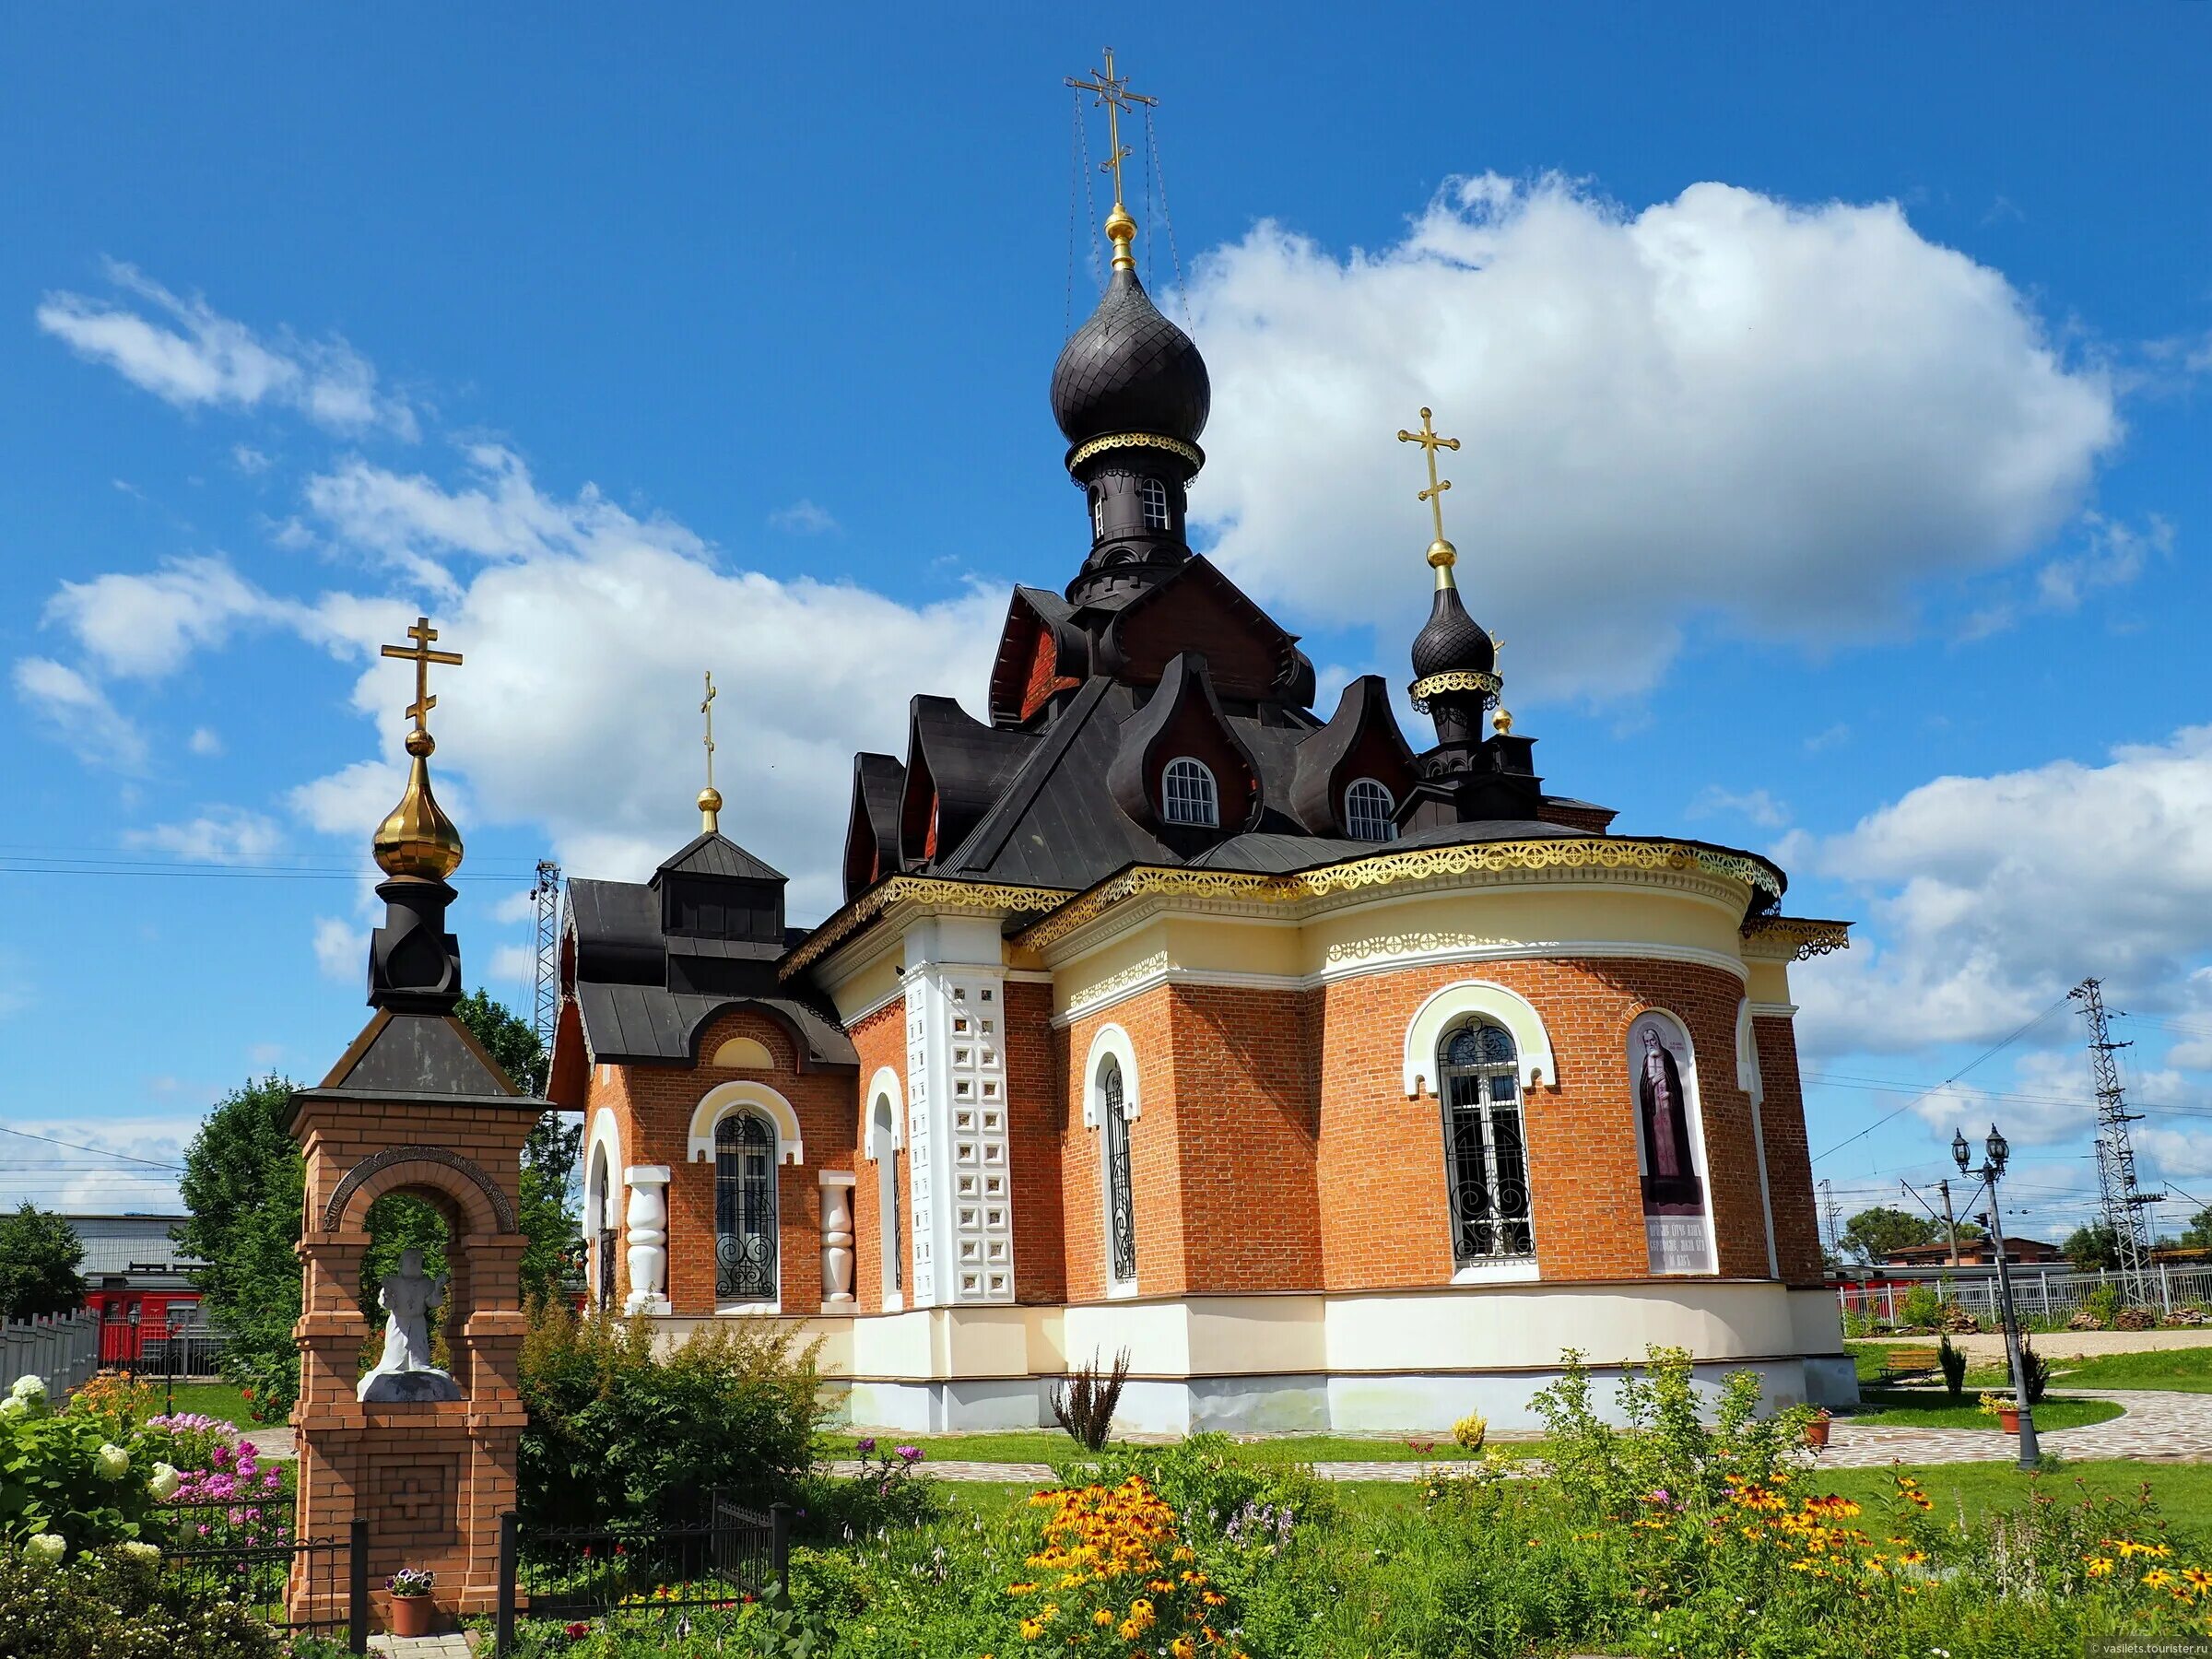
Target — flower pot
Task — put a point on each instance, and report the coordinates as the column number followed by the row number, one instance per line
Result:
column 412, row 1615
column 1816, row 1432
column 2008, row 1419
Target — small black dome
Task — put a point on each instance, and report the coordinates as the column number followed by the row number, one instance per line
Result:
column 1450, row 641
column 1130, row 369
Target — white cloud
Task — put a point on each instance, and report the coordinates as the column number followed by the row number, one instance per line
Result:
column 1990, row 896
column 80, row 715
column 1757, row 805
column 186, row 354
column 220, row 835
column 1828, row 737
column 1722, row 406
column 204, row 741
column 803, row 517
column 144, row 625
column 341, row 949
column 585, row 635
column 513, row 964
column 250, row 460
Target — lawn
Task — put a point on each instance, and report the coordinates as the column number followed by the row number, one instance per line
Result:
column 2183, row 1371
column 1049, row 1445
column 1932, row 1409
column 219, row 1400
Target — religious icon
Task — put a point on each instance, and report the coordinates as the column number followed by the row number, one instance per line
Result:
column 1667, row 1133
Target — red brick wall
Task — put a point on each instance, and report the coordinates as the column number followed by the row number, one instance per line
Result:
column 1382, row 1217
column 654, row 1106
column 1155, row 1177
column 1037, row 1121
column 880, row 1040
column 1789, row 1160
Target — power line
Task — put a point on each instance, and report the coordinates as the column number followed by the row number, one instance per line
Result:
column 101, row 1152
column 1987, row 1053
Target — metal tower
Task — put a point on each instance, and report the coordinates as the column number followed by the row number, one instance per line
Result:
column 545, row 895
column 2121, row 1201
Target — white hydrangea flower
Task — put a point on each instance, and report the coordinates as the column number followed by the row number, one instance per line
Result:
column 13, row 1408
column 139, row 1550
column 163, row 1482
column 112, row 1461
column 28, row 1387
column 46, row 1549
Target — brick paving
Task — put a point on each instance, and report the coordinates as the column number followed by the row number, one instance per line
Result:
column 451, row 1646
column 2153, row 1427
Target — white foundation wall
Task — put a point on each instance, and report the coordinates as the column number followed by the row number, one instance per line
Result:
column 1382, row 1362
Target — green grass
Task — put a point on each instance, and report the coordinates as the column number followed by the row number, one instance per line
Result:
column 210, row 1399
column 1932, row 1409
column 2183, row 1371
column 1049, row 1445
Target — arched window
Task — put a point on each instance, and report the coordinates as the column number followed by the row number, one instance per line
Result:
column 745, row 1209
column 603, row 1238
column 887, row 1198
column 1187, row 794
column 1486, row 1160
column 1153, row 495
column 1366, row 811
column 1121, row 1202
column 1098, row 513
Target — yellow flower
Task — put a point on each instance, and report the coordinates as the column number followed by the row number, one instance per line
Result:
column 2158, row 1578
column 2197, row 1578
column 1183, row 1647
column 1101, row 1619
column 2100, row 1566
column 1031, row 1628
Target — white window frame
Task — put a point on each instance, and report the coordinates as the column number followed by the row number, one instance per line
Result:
column 1152, row 500
column 1207, row 796
column 883, row 1150
column 1390, row 805
column 1112, row 1042
column 1494, row 1269
column 1098, row 513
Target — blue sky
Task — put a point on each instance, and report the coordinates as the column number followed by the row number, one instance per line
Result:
column 1833, row 391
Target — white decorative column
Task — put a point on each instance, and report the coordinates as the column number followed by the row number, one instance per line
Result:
column 837, row 1239
column 957, row 1146
column 646, row 1223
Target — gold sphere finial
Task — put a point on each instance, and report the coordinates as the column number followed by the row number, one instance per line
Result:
column 1443, row 555
column 1121, row 230
column 421, row 743
column 710, row 807
column 1502, row 721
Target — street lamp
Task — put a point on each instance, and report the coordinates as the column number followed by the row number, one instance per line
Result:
column 1996, row 1150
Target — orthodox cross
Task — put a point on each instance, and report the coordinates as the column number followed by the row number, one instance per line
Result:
column 422, row 657
column 1113, row 92
column 1430, row 443
column 706, row 707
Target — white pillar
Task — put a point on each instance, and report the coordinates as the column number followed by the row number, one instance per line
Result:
column 646, row 1223
column 837, row 1239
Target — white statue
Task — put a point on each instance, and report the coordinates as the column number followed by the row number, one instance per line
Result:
column 405, row 1371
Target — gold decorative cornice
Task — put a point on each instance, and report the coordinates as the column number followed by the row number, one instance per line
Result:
column 1455, row 679
column 1797, row 938
column 1114, row 440
column 931, row 891
column 1411, row 863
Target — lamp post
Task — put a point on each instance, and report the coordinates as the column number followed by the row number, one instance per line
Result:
column 1995, row 1150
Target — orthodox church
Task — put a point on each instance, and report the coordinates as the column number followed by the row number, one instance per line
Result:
column 1341, row 1084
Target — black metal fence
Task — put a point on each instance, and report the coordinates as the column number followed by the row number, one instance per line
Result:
column 316, row 1585
column 735, row 1554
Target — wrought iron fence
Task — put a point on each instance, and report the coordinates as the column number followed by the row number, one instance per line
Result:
column 2037, row 1293
column 247, row 1553
column 735, row 1554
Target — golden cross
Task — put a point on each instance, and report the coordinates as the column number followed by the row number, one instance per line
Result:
column 1430, row 442
column 1113, row 92
column 422, row 657
column 707, row 708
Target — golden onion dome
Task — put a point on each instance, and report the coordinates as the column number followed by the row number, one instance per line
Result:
column 416, row 838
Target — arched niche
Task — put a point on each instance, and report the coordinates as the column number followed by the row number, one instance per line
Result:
column 1111, row 1040
column 720, row 1100
column 883, row 1086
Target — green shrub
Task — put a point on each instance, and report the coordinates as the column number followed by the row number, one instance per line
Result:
column 2102, row 1304
column 67, row 1474
column 109, row 1604
column 1922, row 1306
column 617, row 1434
column 1951, row 1359
column 2035, row 1370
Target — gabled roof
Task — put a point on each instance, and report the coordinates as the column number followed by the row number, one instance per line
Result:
column 714, row 853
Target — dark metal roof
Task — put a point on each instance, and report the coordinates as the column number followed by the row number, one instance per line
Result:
column 646, row 1023
column 1130, row 369
column 1452, row 639
column 714, row 853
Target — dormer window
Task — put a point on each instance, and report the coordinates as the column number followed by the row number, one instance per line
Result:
column 1187, row 792
column 1153, row 495
column 1367, row 808
column 1097, row 514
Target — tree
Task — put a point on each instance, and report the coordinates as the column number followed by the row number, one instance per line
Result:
column 547, row 1216
column 2092, row 1247
column 1873, row 1233
column 39, row 1254
column 243, row 1189
column 2197, row 1235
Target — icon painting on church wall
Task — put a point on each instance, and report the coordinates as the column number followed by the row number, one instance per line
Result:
column 1668, row 1135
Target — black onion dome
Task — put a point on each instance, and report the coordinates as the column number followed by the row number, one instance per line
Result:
column 1130, row 369
column 1452, row 641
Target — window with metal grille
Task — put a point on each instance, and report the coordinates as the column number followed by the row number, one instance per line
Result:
column 1486, row 1160
column 745, row 1209
column 1187, row 794
column 1153, row 495
column 1366, row 811
column 1120, row 1202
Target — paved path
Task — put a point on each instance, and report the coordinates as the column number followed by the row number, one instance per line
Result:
column 454, row 1646
column 1987, row 1348
column 2156, row 1427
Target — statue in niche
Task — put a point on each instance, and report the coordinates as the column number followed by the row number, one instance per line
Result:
column 404, row 1373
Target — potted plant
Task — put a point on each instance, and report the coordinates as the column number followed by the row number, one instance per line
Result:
column 412, row 1608
column 1815, row 1428
column 2004, row 1409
